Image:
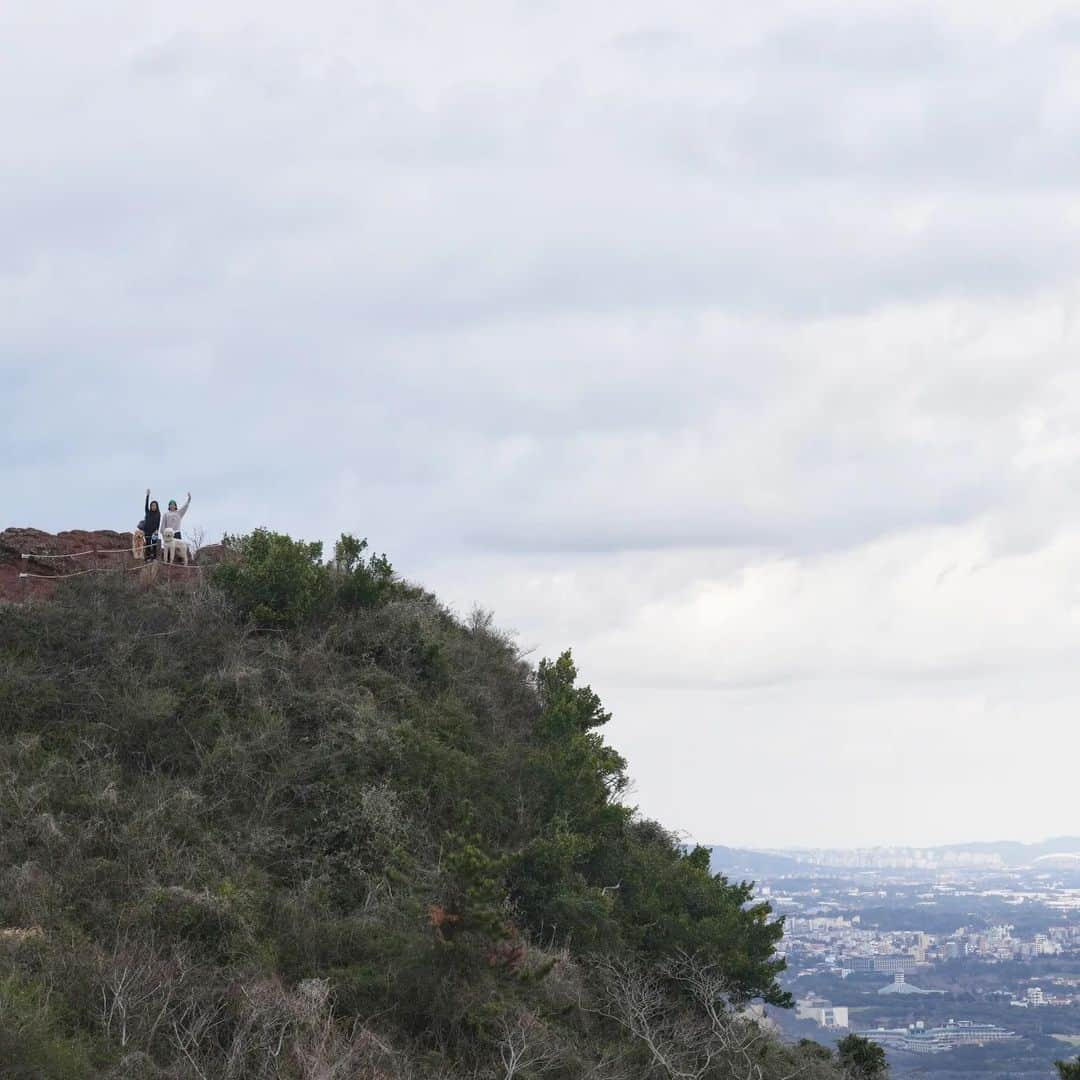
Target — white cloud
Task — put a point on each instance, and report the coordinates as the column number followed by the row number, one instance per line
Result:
column 735, row 348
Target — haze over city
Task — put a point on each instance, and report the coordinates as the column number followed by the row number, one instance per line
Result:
column 733, row 348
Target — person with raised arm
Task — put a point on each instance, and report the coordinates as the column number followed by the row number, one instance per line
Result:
column 151, row 525
column 172, row 517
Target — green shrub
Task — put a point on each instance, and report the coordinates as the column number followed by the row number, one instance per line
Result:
column 861, row 1059
column 361, row 581
column 276, row 581
column 32, row 1044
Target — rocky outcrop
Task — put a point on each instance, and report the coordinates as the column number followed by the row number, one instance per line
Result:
column 47, row 558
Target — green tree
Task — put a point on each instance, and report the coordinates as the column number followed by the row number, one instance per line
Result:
column 668, row 902
column 814, row 1051
column 861, row 1059
column 1068, row 1070
column 574, row 775
column 570, row 786
column 363, row 581
column 608, row 880
column 276, row 581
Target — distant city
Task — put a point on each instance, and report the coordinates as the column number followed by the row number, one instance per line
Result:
column 986, row 856
column 960, row 961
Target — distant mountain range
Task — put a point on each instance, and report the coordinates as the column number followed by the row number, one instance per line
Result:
column 744, row 862
column 1016, row 854
column 747, row 862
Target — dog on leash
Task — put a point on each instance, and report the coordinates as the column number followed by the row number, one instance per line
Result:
column 138, row 543
column 173, row 548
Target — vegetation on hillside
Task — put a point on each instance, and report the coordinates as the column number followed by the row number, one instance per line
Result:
column 303, row 821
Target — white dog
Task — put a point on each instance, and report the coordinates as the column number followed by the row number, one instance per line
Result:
column 173, row 548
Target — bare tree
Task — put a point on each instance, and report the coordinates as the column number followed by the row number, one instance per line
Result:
column 277, row 1032
column 679, row 1012
column 138, row 984
column 524, row 1046
column 193, row 1031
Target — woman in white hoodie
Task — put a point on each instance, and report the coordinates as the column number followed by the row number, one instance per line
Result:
column 172, row 517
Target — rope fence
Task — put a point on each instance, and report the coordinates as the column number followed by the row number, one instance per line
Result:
column 104, row 570
column 79, row 554
column 58, row 577
column 28, row 555
column 110, row 570
column 72, row 555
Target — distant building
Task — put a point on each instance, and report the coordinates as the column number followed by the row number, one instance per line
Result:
column 887, row 964
column 919, row 1039
column 900, row 985
column 892, row 964
column 822, row 1012
column 1045, row 947
column 1035, row 996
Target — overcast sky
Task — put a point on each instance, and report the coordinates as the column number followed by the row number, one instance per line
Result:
column 734, row 346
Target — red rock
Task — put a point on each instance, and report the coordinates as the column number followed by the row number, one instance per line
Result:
column 27, row 551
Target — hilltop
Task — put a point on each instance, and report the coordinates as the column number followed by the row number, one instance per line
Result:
column 78, row 550
column 300, row 820
column 33, row 563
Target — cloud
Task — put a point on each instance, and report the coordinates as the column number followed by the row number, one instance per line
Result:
column 736, row 348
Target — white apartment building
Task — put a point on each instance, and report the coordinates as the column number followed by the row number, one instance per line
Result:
column 822, row 1012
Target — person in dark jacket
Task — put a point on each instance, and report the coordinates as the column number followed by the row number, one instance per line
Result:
column 152, row 526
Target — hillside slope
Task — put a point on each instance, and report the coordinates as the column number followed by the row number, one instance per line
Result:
column 300, row 821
